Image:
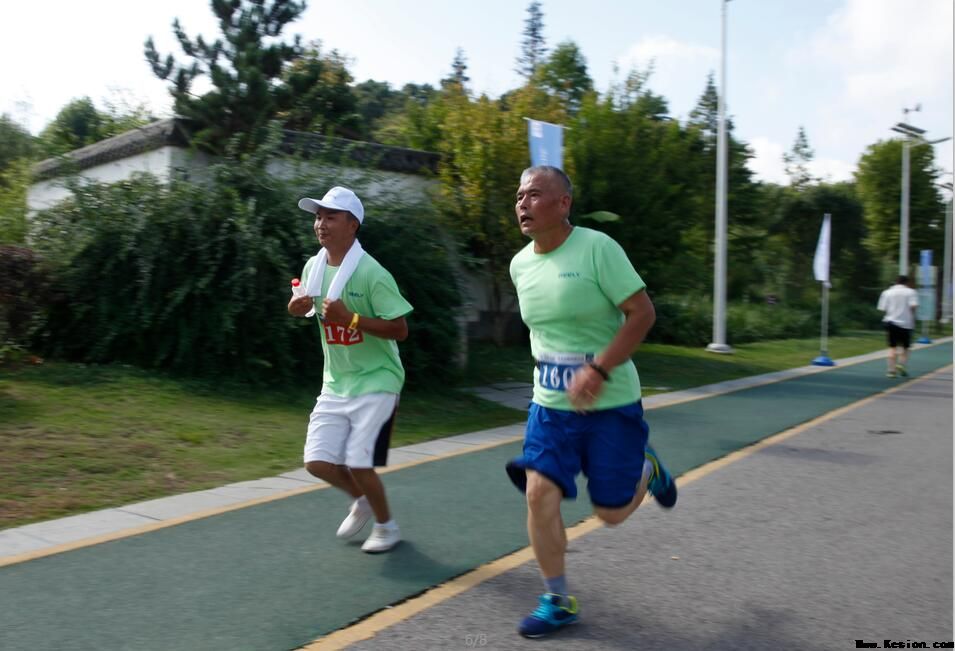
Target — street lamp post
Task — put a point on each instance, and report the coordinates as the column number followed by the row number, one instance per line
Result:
column 947, row 260
column 910, row 133
column 913, row 135
column 718, row 344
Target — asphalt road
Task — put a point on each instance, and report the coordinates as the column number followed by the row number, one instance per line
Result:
column 841, row 532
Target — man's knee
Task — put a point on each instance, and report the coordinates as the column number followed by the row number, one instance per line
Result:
column 320, row 469
column 611, row 516
column 543, row 495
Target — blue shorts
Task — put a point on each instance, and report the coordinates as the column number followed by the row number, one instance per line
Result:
column 607, row 445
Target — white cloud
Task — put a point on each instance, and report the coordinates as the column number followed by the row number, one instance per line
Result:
column 877, row 57
column 767, row 164
column 664, row 49
column 887, row 46
column 767, row 160
column 831, row 169
column 679, row 68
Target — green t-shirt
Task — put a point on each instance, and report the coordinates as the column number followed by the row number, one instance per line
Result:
column 357, row 363
column 568, row 298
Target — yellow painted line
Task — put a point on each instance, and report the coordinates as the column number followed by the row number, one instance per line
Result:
column 206, row 513
column 383, row 619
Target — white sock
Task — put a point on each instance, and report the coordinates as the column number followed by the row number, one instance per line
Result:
column 647, row 469
column 362, row 503
column 391, row 524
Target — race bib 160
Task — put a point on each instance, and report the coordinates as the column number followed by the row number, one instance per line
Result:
column 556, row 370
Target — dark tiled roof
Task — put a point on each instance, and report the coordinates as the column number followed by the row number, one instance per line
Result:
column 367, row 154
column 146, row 138
column 175, row 132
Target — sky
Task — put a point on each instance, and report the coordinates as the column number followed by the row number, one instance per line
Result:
column 844, row 70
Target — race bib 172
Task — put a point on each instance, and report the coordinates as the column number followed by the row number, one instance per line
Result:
column 338, row 334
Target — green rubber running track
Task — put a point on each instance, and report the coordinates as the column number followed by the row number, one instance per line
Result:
column 273, row 575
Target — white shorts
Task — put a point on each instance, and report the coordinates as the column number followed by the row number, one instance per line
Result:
column 354, row 432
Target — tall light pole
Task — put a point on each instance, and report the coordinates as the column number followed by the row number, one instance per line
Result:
column 910, row 133
column 947, row 270
column 719, row 264
column 913, row 135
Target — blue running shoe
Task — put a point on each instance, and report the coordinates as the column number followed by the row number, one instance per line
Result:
column 549, row 616
column 661, row 483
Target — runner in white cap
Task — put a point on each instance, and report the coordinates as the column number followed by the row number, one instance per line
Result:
column 362, row 317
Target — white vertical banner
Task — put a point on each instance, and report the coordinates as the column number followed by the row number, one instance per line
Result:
column 820, row 269
column 820, row 263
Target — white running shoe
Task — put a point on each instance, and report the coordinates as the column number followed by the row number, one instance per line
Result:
column 382, row 539
column 357, row 518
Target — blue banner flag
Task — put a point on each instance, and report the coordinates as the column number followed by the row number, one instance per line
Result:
column 546, row 143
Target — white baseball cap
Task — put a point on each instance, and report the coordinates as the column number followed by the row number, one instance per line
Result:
column 338, row 198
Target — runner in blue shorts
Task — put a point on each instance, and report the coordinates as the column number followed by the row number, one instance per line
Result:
column 587, row 310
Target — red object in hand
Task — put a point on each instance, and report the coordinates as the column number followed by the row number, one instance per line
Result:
column 296, row 282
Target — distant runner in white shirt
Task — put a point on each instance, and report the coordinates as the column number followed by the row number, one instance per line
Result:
column 899, row 303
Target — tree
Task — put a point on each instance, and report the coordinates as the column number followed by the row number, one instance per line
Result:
column 631, row 163
column 797, row 161
column 16, row 143
column 787, row 252
column 18, row 148
column 80, row 123
column 123, row 112
column 76, row 125
column 245, row 67
column 459, row 68
column 705, row 115
column 483, row 144
column 406, row 121
column 565, row 76
column 879, row 182
column 315, row 94
column 746, row 200
column 374, row 100
column 532, row 47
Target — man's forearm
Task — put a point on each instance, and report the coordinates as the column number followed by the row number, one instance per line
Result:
column 396, row 329
column 631, row 334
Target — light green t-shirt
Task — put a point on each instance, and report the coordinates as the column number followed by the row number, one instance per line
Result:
column 357, row 363
column 568, row 298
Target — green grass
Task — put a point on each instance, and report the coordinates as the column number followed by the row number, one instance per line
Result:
column 75, row 438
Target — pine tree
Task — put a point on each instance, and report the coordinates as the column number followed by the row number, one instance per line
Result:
column 532, row 47
column 705, row 115
column 245, row 67
column 459, row 68
column 797, row 161
column 565, row 76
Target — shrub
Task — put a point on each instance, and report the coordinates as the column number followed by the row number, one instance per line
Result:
column 22, row 290
column 688, row 321
column 194, row 278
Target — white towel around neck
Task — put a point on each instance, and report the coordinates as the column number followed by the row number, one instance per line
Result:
column 313, row 284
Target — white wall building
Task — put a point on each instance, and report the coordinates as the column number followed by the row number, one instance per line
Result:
column 162, row 149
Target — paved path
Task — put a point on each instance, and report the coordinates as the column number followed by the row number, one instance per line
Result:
column 270, row 575
column 840, row 532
